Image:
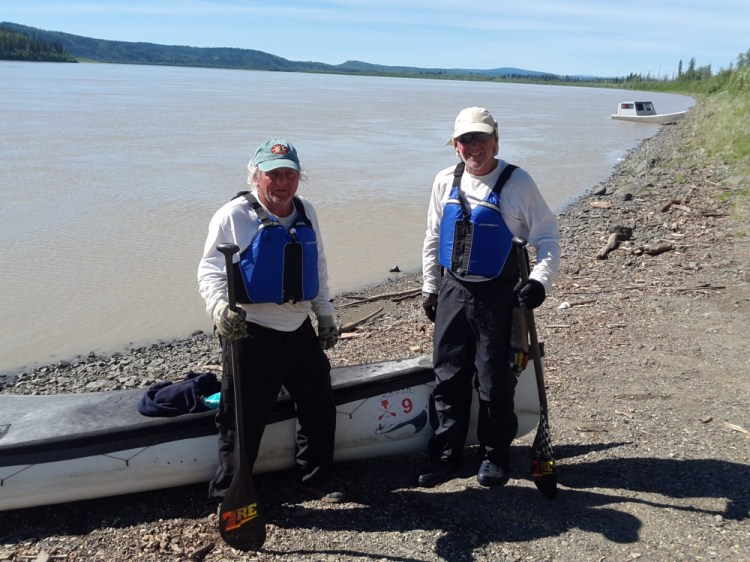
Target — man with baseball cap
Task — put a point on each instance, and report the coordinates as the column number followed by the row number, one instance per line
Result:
column 281, row 276
column 470, row 286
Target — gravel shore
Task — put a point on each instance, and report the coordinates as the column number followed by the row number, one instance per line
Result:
column 647, row 378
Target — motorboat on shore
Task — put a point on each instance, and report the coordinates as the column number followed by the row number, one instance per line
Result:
column 76, row 446
column 644, row 112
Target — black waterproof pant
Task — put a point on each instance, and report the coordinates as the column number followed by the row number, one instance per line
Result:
column 269, row 359
column 471, row 348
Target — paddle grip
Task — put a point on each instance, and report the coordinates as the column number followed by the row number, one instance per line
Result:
column 229, row 250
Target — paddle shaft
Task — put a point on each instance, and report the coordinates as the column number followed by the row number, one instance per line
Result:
column 229, row 250
column 536, row 353
column 542, row 461
column 241, row 523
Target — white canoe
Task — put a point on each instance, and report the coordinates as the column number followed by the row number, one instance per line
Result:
column 644, row 112
column 69, row 447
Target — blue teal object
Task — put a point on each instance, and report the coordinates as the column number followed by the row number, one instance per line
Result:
column 475, row 241
column 280, row 265
column 213, row 400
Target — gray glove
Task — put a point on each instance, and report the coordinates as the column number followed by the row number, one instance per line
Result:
column 430, row 305
column 328, row 334
column 229, row 323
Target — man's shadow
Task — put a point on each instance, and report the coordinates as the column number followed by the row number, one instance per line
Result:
column 472, row 517
column 672, row 478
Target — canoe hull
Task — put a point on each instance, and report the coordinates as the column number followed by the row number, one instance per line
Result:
column 382, row 409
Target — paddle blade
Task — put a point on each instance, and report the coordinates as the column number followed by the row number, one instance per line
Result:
column 241, row 521
column 542, row 459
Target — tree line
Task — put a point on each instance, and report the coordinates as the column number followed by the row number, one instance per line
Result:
column 18, row 42
column 699, row 79
column 20, row 46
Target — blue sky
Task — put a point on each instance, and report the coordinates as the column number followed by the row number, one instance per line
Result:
column 594, row 37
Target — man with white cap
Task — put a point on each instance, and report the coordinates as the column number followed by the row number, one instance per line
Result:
column 281, row 277
column 470, row 286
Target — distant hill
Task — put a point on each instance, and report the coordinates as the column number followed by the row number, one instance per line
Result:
column 364, row 67
column 15, row 45
column 102, row 50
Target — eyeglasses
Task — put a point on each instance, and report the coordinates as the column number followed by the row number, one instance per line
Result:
column 468, row 138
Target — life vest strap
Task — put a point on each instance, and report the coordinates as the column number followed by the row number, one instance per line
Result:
column 458, row 172
column 263, row 215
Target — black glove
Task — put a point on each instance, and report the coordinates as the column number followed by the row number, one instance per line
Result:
column 430, row 305
column 530, row 294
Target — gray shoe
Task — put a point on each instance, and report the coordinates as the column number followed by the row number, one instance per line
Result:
column 324, row 489
column 491, row 474
column 437, row 473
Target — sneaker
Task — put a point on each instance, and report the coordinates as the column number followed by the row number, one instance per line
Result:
column 491, row 474
column 323, row 489
column 437, row 473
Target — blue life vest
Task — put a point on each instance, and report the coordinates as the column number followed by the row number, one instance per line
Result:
column 475, row 242
column 279, row 265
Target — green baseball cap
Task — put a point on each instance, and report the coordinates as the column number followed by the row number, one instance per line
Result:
column 274, row 154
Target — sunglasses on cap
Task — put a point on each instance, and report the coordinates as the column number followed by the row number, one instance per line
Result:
column 468, row 138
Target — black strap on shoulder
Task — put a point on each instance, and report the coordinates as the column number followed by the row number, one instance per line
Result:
column 504, row 176
column 263, row 216
column 301, row 214
column 458, row 171
column 255, row 205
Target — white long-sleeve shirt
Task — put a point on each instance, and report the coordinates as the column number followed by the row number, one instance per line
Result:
column 237, row 223
column 523, row 209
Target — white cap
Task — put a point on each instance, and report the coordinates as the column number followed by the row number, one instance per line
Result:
column 473, row 120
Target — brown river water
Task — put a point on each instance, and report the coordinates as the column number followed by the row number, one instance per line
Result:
column 110, row 173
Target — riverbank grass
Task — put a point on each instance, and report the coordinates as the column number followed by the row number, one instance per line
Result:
column 720, row 138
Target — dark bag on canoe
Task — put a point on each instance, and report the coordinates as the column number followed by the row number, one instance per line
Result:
column 169, row 399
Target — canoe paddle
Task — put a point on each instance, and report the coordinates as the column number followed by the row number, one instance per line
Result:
column 242, row 524
column 542, row 459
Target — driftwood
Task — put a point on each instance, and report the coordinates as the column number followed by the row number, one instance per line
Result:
column 656, row 249
column 735, row 427
column 665, row 207
column 617, row 234
column 350, row 335
column 200, row 553
column 612, row 244
column 581, row 303
column 698, row 288
column 682, row 207
column 407, row 296
column 653, row 249
column 353, row 297
column 680, row 204
column 675, row 204
column 400, row 294
column 351, row 326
